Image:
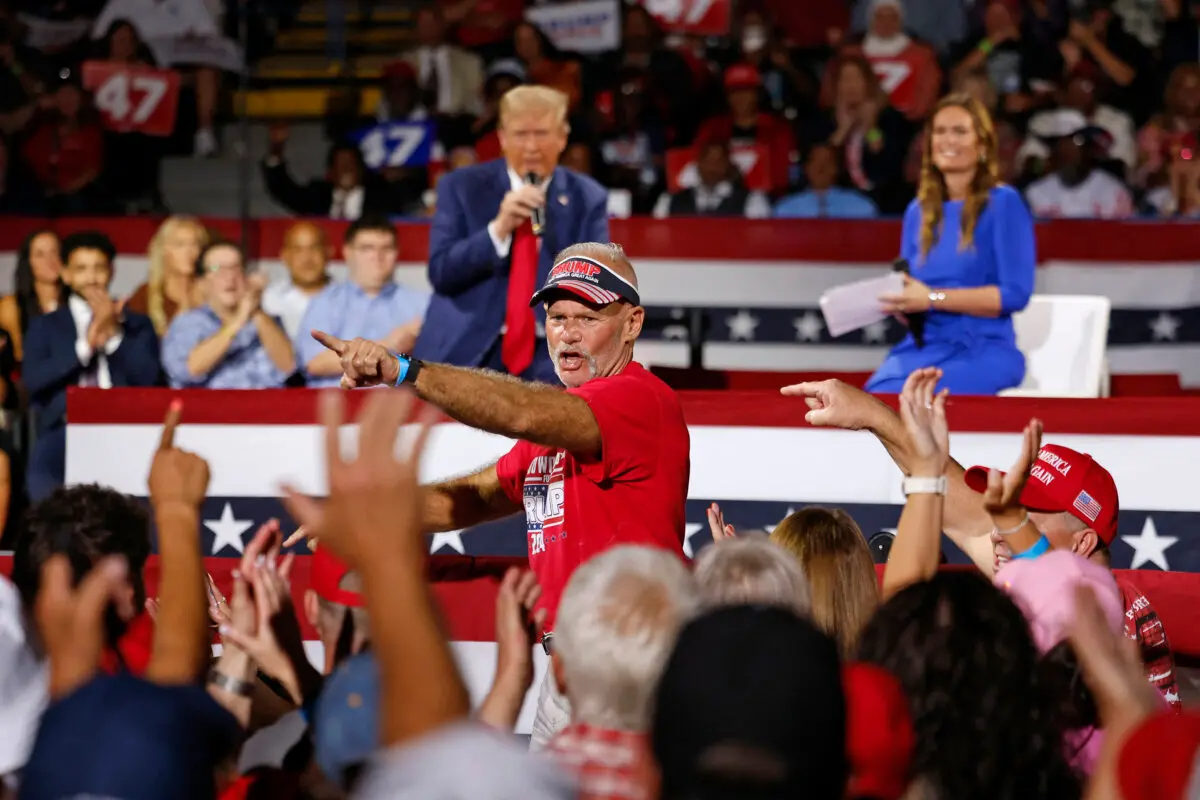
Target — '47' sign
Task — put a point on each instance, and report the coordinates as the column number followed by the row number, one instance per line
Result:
column 397, row 144
column 700, row 17
column 133, row 98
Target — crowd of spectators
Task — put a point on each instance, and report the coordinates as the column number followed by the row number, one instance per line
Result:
column 1096, row 104
column 775, row 667
column 202, row 319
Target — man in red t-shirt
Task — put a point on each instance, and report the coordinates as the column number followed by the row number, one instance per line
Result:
column 604, row 463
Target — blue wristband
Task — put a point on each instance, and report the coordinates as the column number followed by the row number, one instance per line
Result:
column 403, row 363
column 1043, row 545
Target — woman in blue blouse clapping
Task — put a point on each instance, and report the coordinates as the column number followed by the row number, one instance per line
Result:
column 970, row 244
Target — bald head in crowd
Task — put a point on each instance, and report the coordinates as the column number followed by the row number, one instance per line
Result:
column 306, row 253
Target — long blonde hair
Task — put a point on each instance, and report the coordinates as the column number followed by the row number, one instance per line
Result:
column 931, row 193
column 155, row 306
column 833, row 553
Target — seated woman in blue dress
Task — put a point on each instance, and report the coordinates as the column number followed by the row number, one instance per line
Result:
column 970, row 244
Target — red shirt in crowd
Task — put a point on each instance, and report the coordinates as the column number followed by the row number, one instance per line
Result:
column 135, row 646
column 1143, row 626
column 576, row 508
column 61, row 157
column 772, row 132
column 609, row 765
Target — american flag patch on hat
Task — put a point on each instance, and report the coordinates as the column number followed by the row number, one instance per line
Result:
column 1087, row 506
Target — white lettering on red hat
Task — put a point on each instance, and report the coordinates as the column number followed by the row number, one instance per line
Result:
column 1042, row 474
column 1059, row 464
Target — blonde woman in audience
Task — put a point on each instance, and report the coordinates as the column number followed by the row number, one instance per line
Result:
column 836, row 564
column 833, row 554
column 171, row 286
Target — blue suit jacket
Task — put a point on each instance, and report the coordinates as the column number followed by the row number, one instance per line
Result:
column 470, row 282
column 51, row 365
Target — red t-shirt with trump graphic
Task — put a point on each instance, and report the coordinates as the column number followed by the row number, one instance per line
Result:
column 1143, row 625
column 576, row 508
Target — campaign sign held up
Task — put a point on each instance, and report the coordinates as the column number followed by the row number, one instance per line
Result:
column 397, row 144
column 133, row 98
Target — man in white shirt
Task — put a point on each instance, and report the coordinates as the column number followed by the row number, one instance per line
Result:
column 1080, row 109
column 1077, row 189
column 306, row 255
column 87, row 341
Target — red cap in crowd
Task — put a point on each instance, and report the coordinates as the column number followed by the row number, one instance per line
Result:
column 399, row 69
column 1158, row 760
column 742, row 76
column 879, row 733
column 1061, row 480
column 326, row 578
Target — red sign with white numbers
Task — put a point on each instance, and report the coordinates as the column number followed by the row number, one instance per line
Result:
column 752, row 160
column 133, row 98
column 700, row 17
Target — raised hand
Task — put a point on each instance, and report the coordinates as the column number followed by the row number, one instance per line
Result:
column 364, row 363
column 517, row 624
column 71, row 620
column 176, row 476
column 263, row 625
column 924, row 417
column 375, row 497
column 717, row 525
column 1002, row 498
column 834, row 404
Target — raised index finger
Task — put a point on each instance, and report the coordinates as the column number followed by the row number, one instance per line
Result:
column 174, row 413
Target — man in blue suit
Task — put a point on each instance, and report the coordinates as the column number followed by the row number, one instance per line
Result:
column 486, row 258
column 87, row 341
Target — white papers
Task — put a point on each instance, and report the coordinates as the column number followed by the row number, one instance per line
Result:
column 856, row 305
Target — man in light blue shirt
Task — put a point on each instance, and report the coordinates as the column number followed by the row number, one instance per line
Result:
column 823, row 199
column 370, row 304
column 229, row 342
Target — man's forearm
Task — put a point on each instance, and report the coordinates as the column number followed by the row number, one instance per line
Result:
column 963, row 517
column 181, row 646
column 498, row 404
column 275, row 342
column 462, row 502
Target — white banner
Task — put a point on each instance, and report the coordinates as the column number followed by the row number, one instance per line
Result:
column 584, row 26
column 765, row 315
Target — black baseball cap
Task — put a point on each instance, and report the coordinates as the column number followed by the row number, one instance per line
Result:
column 751, row 705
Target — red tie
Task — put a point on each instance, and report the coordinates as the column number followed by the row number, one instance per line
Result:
column 516, row 349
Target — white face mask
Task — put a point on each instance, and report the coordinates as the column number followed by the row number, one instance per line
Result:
column 753, row 39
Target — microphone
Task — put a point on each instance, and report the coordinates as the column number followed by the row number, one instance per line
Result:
column 538, row 218
column 916, row 320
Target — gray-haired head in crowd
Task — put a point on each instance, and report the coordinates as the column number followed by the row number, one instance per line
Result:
column 751, row 570
column 617, row 624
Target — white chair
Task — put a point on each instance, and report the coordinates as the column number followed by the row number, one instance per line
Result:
column 1063, row 338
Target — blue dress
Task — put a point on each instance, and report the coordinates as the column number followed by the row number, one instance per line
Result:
column 978, row 355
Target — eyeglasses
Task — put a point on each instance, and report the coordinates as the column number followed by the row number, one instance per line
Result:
column 548, row 643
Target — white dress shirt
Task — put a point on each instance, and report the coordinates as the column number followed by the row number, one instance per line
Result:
column 436, row 58
column 504, row 245
column 286, row 302
column 97, row 374
column 346, row 203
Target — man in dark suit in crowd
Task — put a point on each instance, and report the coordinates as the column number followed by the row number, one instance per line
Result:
column 346, row 191
column 485, row 257
column 88, row 341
